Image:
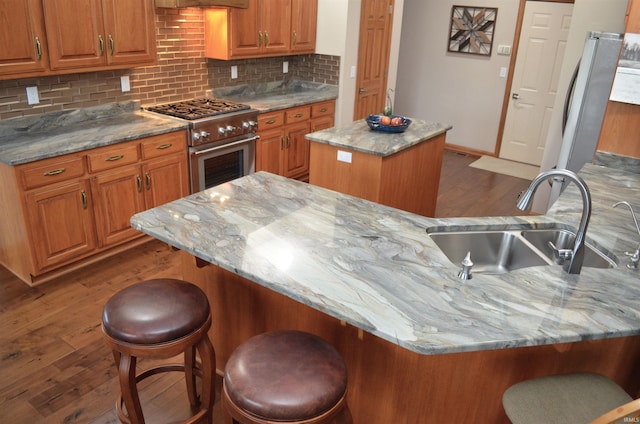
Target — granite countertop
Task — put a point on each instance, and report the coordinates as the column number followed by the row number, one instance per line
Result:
column 272, row 96
column 359, row 137
column 32, row 138
column 376, row 268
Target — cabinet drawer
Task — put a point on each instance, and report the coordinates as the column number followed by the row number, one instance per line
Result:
column 112, row 156
column 323, row 109
column 49, row 171
column 270, row 120
column 298, row 114
column 164, row 144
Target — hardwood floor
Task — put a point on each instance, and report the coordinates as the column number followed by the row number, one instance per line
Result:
column 54, row 367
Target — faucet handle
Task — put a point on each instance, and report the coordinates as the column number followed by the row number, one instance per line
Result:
column 560, row 255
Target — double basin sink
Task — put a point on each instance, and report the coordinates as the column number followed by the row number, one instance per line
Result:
column 500, row 251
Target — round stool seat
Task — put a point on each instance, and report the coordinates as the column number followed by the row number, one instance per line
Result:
column 285, row 376
column 155, row 311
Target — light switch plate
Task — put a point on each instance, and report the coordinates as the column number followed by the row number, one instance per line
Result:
column 344, row 156
column 32, row 96
column 125, row 85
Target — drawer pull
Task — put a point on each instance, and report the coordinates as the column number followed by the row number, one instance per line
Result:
column 54, row 172
column 324, row 109
column 148, row 179
column 270, row 121
column 298, row 115
column 114, row 158
column 84, row 199
column 164, row 146
column 139, row 182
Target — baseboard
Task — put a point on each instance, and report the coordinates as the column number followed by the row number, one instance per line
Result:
column 466, row 150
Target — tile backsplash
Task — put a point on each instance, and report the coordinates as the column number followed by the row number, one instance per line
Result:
column 182, row 72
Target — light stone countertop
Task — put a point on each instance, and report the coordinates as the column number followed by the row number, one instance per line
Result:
column 32, row 138
column 358, row 136
column 376, row 268
column 267, row 97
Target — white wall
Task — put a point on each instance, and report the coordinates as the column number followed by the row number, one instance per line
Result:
column 463, row 90
column 338, row 35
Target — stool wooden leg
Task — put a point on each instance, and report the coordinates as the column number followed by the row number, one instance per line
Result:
column 208, row 360
column 190, row 376
column 127, row 375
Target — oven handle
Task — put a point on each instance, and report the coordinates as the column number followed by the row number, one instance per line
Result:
column 224, row 146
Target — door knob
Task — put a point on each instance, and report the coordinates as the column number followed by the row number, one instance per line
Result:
column 362, row 90
column 515, row 96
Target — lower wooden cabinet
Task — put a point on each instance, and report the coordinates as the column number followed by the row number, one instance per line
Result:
column 71, row 208
column 282, row 148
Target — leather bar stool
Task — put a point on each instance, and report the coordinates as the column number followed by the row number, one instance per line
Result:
column 285, row 376
column 161, row 319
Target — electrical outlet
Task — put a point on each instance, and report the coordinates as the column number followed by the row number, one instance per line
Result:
column 352, row 72
column 344, row 156
column 285, row 67
column 503, row 72
column 125, row 85
column 234, row 72
column 32, row 96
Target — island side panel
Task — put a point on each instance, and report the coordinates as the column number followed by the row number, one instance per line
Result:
column 390, row 384
column 406, row 180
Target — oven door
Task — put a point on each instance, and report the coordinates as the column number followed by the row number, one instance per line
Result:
column 210, row 165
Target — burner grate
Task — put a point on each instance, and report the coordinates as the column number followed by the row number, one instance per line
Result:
column 198, row 108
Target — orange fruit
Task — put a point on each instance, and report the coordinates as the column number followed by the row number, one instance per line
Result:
column 385, row 120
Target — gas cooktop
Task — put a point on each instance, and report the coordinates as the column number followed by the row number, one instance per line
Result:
column 198, row 108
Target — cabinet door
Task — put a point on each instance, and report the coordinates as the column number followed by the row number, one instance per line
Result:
column 117, row 195
column 268, row 150
column 296, row 152
column 275, row 18
column 246, row 31
column 61, row 223
column 165, row 179
column 321, row 123
column 304, row 17
column 129, row 31
column 22, row 37
column 75, row 33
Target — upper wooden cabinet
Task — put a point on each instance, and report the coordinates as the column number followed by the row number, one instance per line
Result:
column 22, row 37
column 44, row 37
column 265, row 28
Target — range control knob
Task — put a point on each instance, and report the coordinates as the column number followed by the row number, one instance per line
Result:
column 222, row 131
column 253, row 125
column 246, row 126
column 231, row 129
column 202, row 135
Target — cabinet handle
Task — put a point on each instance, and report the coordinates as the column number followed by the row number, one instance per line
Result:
column 139, row 182
column 38, row 49
column 270, row 121
column 298, row 115
column 266, row 38
column 54, row 172
column 101, row 44
column 281, row 143
column 295, row 38
column 324, row 109
column 148, row 179
column 288, row 141
column 114, row 158
column 112, row 45
column 259, row 38
column 164, row 146
column 84, row 199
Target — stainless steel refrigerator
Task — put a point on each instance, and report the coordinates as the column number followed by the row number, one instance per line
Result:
column 586, row 102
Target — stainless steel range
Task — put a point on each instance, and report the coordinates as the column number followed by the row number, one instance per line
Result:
column 221, row 139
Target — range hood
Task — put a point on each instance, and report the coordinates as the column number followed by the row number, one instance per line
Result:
column 202, row 3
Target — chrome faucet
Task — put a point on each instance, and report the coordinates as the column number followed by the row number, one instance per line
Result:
column 635, row 257
column 573, row 259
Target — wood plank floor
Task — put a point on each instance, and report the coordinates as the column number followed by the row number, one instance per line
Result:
column 54, row 367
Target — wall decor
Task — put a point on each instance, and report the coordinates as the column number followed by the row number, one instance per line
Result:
column 471, row 29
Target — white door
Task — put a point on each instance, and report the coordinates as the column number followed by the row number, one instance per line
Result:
column 545, row 27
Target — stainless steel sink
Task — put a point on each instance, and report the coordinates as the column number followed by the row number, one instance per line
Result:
column 563, row 239
column 496, row 252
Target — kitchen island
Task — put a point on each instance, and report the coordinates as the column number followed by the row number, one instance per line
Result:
column 401, row 170
column 421, row 345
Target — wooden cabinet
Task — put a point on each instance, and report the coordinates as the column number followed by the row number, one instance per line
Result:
column 283, row 148
column 78, row 206
column 63, row 36
column 22, row 37
column 265, row 28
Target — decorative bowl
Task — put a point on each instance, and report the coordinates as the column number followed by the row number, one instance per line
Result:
column 374, row 123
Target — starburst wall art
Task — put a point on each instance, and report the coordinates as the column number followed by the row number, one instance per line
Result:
column 472, row 29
